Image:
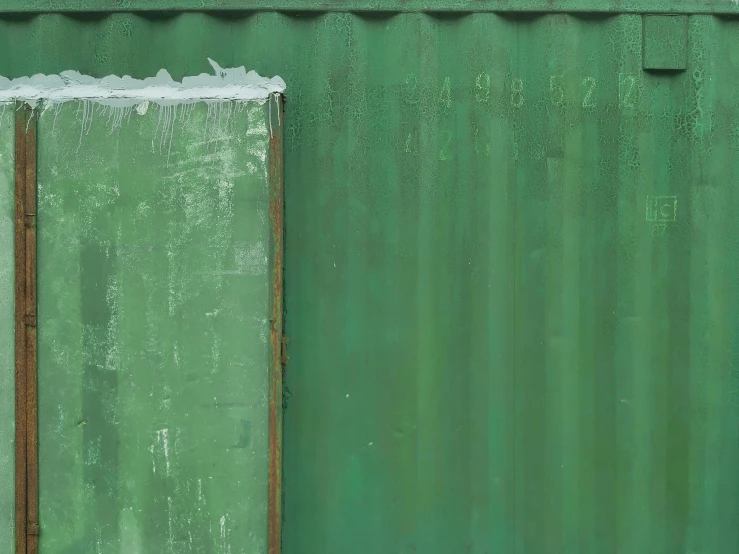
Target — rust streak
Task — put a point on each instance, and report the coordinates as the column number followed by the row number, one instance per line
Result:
column 276, row 208
column 26, row 403
column 20, row 332
column 32, row 493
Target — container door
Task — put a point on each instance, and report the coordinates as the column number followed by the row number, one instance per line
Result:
column 155, row 264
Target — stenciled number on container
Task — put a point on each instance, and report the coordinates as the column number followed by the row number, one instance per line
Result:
column 482, row 88
column 444, row 153
column 659, row 230
column 410, row 143
column 480, row 149
column 446, row 95
column 627, row 90
column 589, row 84
column 411, row 83
column 517, row 93
column 661, row 210
column 555, row 89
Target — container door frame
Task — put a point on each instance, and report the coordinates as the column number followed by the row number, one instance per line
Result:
column 27, row 525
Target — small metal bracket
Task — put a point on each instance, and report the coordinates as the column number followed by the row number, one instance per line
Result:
column 665, row 42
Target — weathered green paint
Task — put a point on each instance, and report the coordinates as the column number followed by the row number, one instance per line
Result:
column 153, row 284
column 461, row 6
column 489, row 349
column 495, row 345
column 665, row 42
column 7, row 327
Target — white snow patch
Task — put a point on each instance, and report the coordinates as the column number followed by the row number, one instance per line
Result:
column 227, row 84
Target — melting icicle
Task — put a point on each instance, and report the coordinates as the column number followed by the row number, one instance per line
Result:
column 156, row 129
column 164, row 112
column 87, row 115
column 57, row 109
column 228, row 117
column 207, row 120
column 116, row 114
column 171, row 133
column 220, row 114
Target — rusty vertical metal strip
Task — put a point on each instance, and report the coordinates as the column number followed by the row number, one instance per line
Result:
column 276, row 208
column 20, row 331
column 32, row 492
column 26, row 405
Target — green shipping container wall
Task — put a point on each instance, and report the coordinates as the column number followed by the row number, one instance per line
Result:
column 512, row 275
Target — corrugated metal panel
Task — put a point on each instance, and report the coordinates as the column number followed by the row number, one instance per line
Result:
column 7, row 327
column 539, row 6
column 510, row 272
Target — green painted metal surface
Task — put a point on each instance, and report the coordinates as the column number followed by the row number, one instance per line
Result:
column 7, row 326
column 153, row 284
column 511, row 292
column 501, row 6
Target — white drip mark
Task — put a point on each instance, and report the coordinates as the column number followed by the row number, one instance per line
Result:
column 153, row 460
column 156, row 129
column 57, row 109
column 228, row 116
column 165, row 119
column 220, row 115
column 88, row 111
column 270, row 121
column 207, row 119
column 116, row 115
column 225, row 546
column 163, row 439
column 169, row 523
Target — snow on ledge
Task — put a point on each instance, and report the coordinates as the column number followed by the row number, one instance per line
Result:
column 227, row 84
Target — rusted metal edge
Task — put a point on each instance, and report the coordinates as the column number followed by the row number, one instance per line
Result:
column 26, row 403
column 276, row 210
column 32, row 492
